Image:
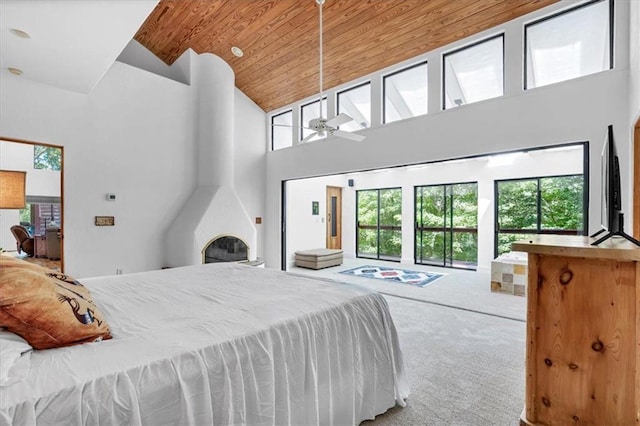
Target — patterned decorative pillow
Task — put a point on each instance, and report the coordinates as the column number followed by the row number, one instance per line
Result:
column 47, row 308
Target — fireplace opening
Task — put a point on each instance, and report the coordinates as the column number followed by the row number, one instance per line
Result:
column 226, row 249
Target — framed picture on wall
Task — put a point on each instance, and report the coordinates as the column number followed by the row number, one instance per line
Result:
column 315, row 208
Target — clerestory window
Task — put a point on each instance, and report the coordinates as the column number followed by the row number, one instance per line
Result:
column 474, row 73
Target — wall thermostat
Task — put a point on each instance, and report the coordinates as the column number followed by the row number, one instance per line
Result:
column 111, row 197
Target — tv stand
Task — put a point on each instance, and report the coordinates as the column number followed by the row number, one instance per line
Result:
column 619, row 233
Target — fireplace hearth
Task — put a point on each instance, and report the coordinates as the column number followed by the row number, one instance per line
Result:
column 226, row 248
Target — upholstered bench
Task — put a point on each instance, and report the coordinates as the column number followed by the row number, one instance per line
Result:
column 318, row 258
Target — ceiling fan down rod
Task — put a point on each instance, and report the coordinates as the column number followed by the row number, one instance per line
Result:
column 320, row 2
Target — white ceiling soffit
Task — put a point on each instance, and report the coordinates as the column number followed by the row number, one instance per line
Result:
column 73, row 42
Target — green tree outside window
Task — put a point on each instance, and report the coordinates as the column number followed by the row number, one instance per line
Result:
column 379, row 219
column 47, row 157
column 527, row 207
column 446, row 225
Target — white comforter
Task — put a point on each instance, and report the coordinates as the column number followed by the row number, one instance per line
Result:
column 216, row 345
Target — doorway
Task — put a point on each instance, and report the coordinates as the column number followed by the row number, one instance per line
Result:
column 334, row 217
column 43, row 215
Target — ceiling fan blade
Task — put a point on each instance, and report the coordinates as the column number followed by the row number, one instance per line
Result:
column 339, row 120
column 308, row 138
column 290, row 126
column 348, row 135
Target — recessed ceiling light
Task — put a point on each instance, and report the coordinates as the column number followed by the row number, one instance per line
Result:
column 237, row 51
column 19, row 33
column 16, row 71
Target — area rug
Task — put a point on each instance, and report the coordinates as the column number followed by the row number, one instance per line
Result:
column 403, row 276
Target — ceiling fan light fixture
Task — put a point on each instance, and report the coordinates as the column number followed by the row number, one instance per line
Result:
column 19, row 33
column 237, row 51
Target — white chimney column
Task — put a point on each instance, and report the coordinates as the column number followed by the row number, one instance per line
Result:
column 215, row 82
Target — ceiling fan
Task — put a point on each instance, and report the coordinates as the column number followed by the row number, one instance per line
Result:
column 322, row 126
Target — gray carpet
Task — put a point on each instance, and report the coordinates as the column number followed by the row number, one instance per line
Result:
column 464, row 368
column 462, row 289
column 463, row 347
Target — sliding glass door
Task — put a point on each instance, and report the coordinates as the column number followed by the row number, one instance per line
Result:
column 379, row 220
column 446, row 226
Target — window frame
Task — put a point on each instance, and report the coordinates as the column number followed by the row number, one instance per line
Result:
column 611, row 34
column 451, row 229
column 378, row 226
column 272, row 126
column 465, row 47
column 538, row 229
column 357, row 86
column 384, row 89
column 37, row 218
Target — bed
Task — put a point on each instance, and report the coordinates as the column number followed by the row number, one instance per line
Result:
column 219, row 344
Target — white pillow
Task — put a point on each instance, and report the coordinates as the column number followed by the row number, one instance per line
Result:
column 15, row 357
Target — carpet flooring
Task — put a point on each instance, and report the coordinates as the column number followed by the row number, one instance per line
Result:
column 459, row 289
column 394, row 275
column 463, row 347
column 464, row 368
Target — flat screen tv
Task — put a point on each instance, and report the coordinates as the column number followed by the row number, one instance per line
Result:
column 611, row 217
column 610, row 173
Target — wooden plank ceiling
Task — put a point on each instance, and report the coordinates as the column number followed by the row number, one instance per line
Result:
column 280, row 37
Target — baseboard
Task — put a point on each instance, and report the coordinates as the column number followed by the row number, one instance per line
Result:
column 483, row 269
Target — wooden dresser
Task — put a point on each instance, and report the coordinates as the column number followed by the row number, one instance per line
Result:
column 583, row 331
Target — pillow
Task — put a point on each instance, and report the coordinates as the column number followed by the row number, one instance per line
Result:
column 15, row 355
column 47, row 308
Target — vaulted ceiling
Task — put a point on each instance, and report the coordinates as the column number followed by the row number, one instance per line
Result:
column 280, row 37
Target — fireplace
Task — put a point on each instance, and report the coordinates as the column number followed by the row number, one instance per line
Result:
column 225, row 248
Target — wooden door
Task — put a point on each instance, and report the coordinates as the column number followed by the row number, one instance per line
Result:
column 334, row 217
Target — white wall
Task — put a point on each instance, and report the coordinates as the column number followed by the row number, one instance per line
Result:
column 576, row 110
column 306, row 231
column 249, row 158
column 19, row 156
column 634, row 95
column 137, row 55
column 634, row 60
column 133, row 135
